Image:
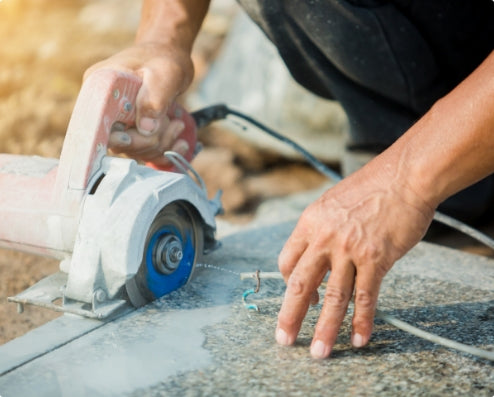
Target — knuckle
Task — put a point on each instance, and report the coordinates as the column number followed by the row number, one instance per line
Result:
column 373, row 258
column 322, row 244
column 153, row 104
column 296, row 286
column 181, row 68
column 364, row 300
column 349, row 237
column 365, row 304
column 335, row 297
column 370, row 253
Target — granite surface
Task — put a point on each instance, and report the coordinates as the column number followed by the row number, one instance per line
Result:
column 201, row 340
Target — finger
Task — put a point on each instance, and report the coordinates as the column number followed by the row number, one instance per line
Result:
column 181, row 147
column 119, row 140
column 338, row 293
column 366, row 292
column 170, row 135
column 159, row 89
column 303, row 281
column 134, row 144
column 293, row 249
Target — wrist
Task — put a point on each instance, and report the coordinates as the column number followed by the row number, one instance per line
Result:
column 392, row 172
column 173, row 23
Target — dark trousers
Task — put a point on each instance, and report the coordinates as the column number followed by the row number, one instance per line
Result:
column 386, row 62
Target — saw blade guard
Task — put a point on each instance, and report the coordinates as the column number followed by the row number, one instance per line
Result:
column 120, row 220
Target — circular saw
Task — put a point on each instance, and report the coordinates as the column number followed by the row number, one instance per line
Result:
column 123, row 232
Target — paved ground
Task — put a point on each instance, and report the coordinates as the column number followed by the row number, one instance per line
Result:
column 202, row 341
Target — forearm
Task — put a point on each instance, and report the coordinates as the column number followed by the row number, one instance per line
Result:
column 452, row 146
column 161, row 58
column 169, row 22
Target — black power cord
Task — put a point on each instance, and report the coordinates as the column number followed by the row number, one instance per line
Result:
column 207, row 115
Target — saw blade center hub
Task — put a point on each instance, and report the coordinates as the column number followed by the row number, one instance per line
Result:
column 168, row 254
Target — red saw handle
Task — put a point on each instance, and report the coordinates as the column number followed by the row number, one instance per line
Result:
column 189, row 134
column 106, row 97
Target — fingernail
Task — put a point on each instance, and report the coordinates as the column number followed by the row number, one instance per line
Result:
column 119, row 138
column 181, row 147
column 319, row 349
column 357, row 340
column 175, row 128
column 282, row 337
column 147, row 126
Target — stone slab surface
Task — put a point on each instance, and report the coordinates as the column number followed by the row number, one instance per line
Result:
column 201, row 340
column 44, row 339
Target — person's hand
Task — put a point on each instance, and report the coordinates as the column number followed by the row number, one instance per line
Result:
column 165, row 72
column 356, row 230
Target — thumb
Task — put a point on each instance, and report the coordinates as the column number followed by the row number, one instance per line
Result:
column 157, row 93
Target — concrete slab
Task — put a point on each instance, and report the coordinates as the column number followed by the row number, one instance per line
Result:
column 44, row 339
column 202, row 341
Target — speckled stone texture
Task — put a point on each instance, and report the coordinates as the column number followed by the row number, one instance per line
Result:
column 248, row 362
column 201, row 340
